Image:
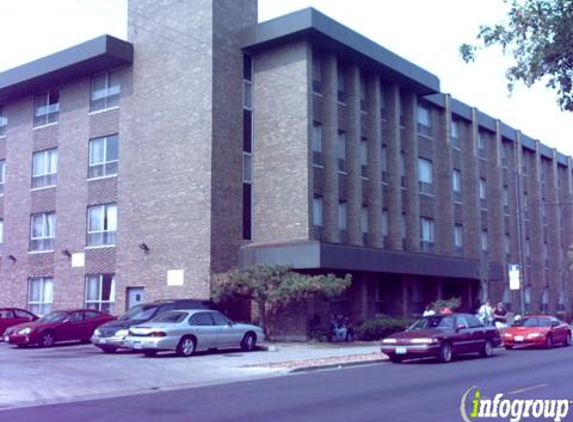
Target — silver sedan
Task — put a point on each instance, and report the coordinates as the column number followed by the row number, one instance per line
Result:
column 187, row 331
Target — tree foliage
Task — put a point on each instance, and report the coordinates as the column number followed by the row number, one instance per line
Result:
column 276, row 284
column 539, row 36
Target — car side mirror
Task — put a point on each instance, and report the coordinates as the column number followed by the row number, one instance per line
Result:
column 554, row 323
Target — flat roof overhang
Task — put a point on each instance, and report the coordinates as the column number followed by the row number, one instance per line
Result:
column 309, row 255
column 326, row 33
column 101, row 53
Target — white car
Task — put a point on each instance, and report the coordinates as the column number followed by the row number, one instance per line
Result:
column 186, row 331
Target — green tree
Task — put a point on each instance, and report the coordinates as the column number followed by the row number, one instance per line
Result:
column 538, row 34
column 276, row 284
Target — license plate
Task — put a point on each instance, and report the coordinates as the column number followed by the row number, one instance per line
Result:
column 6, row 339
column 518, row 338
column 401, row 350
column 102, row 341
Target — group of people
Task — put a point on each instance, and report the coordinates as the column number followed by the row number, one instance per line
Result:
column 341, row 328
column 488, row 315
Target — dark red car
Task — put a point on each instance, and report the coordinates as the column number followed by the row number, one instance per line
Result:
column 14, row 316
column 537, row 330
column 57, row 326
column 442, row 336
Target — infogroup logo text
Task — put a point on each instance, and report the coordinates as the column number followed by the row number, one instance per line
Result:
column 474, row 406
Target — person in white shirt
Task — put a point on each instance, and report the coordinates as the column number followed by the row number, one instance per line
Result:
column 485, row 314
column 428, row 311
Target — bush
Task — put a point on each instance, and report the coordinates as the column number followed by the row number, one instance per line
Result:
column 381, row 327
column 452, row 304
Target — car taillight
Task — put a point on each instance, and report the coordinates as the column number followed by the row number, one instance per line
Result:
column 157, row 334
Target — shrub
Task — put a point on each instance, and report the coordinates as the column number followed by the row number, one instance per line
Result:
column 452, row 304
column 381, row 327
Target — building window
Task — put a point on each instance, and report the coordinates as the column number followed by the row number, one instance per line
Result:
column 455, row 134
column 317, row 144
column 382, row 98
column 505, row 151
column 481, row 144
column 403, row 226
column 40, row 295
column 362, row 93
column 402, row 169
column 44, row 168
column 3, row 122
column 2, row 176
column 505, row 199
column 341, row 83
column 341, row 151
column 364, row 224
column 507, row 245
column 384, row 164
column 385, row 225
column 317, row 216
column 424, row 120
column 546, row 254
column 342, row 227
column 247, row 167
column 105, row 91
column 484, row 241
column 426, row 234
column 47, row 107
column 1, row 233
column 103, row 159
column 458, row 239
column 102, row 224
column 457, row 184
column 100, row 292
column 364, row 158
column 316, row 74
column 482, row 191
column 247, row 210
column 247, row 149
column 42, row 231
column 528, row 250
column 425, row 175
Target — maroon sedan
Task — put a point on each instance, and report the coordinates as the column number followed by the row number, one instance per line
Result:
column 14, row 316
column 72, row 325
column 537, row 330
column 442, row 336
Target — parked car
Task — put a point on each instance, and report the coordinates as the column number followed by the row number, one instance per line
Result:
column 14, row 316
column 188, row 331
column 110, row 337
column 442, row 336
column 537, row 330
column 57, row 326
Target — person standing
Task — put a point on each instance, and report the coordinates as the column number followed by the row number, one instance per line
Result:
column 500, row 316
column 485, row 314
column 428, row 311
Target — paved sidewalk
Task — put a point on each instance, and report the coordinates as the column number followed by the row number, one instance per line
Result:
column 30, row 377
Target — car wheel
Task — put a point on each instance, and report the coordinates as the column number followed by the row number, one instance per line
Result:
column 445, row 355
column 487, row 350
column 249, row 342
column 395, row 359
column 108, row 349
column 567, row 342
column 150, row 353
column 186, row 347
column 549, row 341
column 47, row 339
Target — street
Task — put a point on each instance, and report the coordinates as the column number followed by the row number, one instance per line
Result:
column 408, row 392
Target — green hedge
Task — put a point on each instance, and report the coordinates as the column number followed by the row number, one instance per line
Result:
column 381, row 327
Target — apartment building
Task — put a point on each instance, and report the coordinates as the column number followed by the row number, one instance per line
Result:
column 133, row 170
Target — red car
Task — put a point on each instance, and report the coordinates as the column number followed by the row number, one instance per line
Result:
column 14, row 316
column 537, row 330
column 72, row 325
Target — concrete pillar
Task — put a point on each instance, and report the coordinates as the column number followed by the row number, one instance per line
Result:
column 409, row 142
column 354, row 179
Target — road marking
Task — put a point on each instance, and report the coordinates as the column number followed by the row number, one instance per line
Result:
column 533, row 387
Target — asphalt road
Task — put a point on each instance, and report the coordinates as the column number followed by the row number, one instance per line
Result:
column 412, row 392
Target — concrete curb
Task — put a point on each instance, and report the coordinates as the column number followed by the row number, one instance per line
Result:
column 336, row 365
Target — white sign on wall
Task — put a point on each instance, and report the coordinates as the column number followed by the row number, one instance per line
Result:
column 514, row 277
column 78, row 259
column 175, row 277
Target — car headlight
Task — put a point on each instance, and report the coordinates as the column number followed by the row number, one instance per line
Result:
column 508, row 335
column 97, row 332
column 424, row 340
column 25, row 331
column 121, row 333
column 389, row 341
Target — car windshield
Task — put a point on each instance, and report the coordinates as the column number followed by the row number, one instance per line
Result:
column 439, row 321
column 53, row 317
column 139, row 313
column 173, row 317
column 532, row 322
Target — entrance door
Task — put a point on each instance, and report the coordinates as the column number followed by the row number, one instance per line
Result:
column 135, row 296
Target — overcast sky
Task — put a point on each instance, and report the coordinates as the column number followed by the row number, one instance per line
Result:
column 424, row 32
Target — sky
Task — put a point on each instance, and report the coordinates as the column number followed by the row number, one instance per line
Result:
column 427, row 33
